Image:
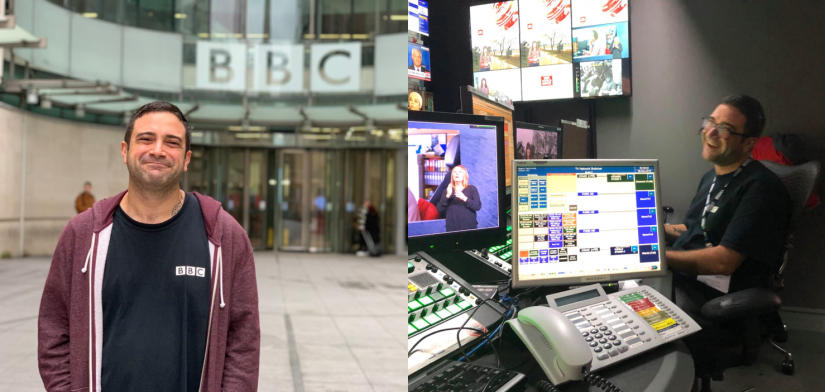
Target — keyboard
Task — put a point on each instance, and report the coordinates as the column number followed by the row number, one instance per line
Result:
column 462, row 376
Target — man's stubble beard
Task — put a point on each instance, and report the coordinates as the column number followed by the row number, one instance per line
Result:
column 146, row 183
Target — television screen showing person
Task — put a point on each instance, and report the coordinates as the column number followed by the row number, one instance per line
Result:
column 486, row 59
column 461, row 202
column 415, row 101
column 484, row 87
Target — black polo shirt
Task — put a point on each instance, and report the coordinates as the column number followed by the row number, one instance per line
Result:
column 751, row 218
column 155, row 297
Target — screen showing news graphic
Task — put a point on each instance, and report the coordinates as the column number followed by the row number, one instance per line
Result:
column 536, row 144
column 502, row 84
column 549, row 82
column 591, row 13
column 418, row 62
column 601, row 42
column 495, row 36
column 545, row 32
column 418, row 18
column 599, row 78
column 452, row 182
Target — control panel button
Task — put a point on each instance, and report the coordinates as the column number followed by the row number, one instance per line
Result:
column 608, row 333
column 594, row 330
column 585, row 334
column 598, row 335
column 593, row 344
column 611, row 338
column 597, row 349
column 622, row 349
column 613, row 352
column 602, row 356
column 617, row 342
column 607, row 346
column 588, row 339
column 602, row 340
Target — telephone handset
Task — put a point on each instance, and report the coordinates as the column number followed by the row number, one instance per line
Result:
column 555, row 343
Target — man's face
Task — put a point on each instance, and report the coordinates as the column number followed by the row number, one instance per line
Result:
column 728, row 151
column 415, row 101
column 416, row 57
column 156, row 156
column 87, row 188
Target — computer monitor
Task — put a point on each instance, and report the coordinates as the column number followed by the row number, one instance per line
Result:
column 534, row 141
column 440, row 218
column 586, row 221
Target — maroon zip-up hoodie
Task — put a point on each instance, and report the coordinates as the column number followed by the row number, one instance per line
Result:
column 70, row 327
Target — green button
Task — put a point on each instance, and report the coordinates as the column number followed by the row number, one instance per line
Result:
column 453, row 309
column 443, row 313
column 425, row 300
column 421, row 324
column 414, row 305
column 448, row 292
column 410, row 267
column 458, row 299
column 411, row 330
column 432, row 319
column 464, row 304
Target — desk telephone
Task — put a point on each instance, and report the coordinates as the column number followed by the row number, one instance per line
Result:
column 584, row 330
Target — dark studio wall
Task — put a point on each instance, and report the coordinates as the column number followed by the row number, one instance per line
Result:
column 687, row 56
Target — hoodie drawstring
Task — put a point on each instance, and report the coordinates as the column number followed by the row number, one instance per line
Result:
column 89, row 255
column 220, row 271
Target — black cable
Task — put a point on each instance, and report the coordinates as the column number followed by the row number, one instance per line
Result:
column 600, row 382
column 458, row 338
column 546, row 386
column 409, row 353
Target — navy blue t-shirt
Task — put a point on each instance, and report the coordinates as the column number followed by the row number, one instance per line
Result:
column 156, row 300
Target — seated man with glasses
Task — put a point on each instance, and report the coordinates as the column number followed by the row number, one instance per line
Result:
column 734, row 233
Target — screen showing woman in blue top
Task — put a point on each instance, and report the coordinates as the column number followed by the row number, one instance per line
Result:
column 461, row 202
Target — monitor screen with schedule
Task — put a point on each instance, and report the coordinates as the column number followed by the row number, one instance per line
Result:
column 586, row 221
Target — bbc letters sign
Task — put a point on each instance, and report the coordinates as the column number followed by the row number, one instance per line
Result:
column 279, row 68
column 221, row 66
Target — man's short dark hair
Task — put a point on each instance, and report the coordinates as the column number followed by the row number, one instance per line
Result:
column 752, row 110
column 89, row 183
column 155, row 107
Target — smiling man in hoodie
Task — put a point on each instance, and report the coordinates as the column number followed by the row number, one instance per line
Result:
column 152, row 289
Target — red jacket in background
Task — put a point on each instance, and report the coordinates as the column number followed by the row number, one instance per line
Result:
column 70, row 326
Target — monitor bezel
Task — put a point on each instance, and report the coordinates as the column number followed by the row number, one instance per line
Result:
column 537, row 127
column 603, row 278
column 471, row 239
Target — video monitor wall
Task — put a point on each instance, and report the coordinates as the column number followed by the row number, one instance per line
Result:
column 566, row 48
column 418, row 62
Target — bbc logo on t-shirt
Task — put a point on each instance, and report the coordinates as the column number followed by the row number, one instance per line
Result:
column 191, row 271
column 546, row 80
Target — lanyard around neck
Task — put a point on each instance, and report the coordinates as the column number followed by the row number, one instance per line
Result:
column 709, row 205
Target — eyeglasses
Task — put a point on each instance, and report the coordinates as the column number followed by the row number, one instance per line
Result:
column 724, row 131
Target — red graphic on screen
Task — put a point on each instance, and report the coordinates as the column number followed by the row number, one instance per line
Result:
column 558, row 10
column 614, row 6
column 546, row 80
column 507, row 14
column 481, row 32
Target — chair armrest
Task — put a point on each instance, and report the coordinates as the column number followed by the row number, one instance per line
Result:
column 742, row 303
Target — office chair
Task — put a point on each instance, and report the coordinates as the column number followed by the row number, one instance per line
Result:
column 757, row 309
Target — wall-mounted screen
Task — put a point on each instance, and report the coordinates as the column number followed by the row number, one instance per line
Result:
column 565, row 49
column 418, row 19
column 418, row 62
